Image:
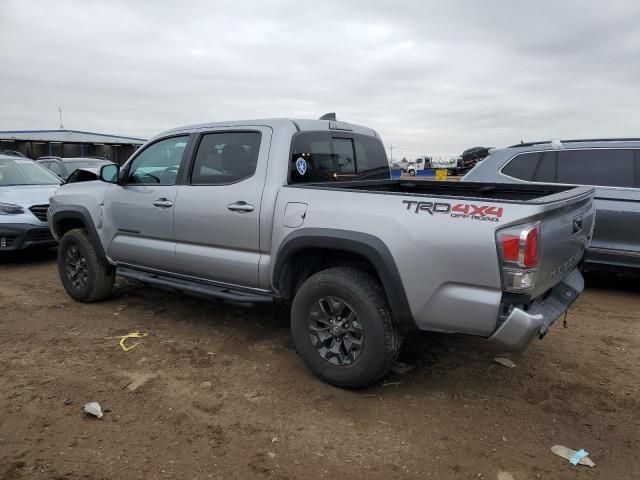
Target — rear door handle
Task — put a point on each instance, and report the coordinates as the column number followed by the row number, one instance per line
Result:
column 240, row 207
column 163, row 203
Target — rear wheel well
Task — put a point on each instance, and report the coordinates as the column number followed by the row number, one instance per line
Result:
column 309, row 261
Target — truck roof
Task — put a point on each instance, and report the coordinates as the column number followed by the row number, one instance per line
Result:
column 300, row 125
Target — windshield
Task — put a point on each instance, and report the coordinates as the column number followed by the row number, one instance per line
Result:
column 72, row 165
column 21, row 171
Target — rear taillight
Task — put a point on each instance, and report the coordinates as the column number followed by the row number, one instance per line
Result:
column 531, row 250
column 510, row 247
column 519, row 249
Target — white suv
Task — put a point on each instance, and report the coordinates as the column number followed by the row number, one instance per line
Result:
column 25, row 188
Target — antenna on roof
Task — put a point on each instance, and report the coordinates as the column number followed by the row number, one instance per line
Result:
column 329, row 116
column 60, row 112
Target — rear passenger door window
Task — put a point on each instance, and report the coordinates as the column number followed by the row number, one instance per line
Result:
column 601, row 167
column 226, row 157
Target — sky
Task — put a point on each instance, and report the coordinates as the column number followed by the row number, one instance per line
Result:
column 432, row 77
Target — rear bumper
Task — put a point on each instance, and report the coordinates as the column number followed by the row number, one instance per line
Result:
column 520, row 327
column 16, row 236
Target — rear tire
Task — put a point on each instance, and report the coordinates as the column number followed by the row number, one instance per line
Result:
column 342, row 327
column 412, row 173
column 85, row 276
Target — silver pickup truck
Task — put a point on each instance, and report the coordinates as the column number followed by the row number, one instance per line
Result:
column 304, row 211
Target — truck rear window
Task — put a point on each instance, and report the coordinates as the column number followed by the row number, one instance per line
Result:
column 333, row 156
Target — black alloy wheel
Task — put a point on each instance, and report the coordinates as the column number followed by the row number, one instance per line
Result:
column 86, row 276
column 342, row 327
column 75, row 267
column 335, row 331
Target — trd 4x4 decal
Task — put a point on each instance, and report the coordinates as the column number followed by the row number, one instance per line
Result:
column 459, row 210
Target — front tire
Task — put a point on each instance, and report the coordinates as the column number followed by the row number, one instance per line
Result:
column 412, row 173
column 342, row 327
column 85, row 276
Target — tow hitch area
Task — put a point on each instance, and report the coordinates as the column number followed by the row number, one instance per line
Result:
column 558, row 302
column 521, row 327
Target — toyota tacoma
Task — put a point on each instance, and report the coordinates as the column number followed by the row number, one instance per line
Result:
column 304, row 211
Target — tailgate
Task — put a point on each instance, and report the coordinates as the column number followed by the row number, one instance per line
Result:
column 566, row 227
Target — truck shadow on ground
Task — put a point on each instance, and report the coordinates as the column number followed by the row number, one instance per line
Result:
column 430, row 355
column 246, row 328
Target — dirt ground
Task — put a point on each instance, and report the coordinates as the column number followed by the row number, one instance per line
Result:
column 221, row 393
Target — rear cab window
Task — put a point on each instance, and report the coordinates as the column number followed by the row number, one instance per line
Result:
column 326, row 156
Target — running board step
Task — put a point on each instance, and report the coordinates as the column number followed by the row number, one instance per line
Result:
column 194, row 288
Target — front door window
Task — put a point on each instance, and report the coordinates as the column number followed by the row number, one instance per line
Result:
column 159, row 163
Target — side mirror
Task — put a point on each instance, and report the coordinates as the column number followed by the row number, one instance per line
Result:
column 109, row 173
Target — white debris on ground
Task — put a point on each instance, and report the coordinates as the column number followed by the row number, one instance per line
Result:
column 505, row 362
column 579, row 457
column 93, row 408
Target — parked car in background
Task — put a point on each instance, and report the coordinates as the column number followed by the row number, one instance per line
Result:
column 25, row 188
column 611, row 165
column 305, row 211
column 422, row 163
column 470, row 158
column 12, row 153
column 63, row 167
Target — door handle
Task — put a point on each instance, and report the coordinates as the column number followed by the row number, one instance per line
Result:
column 163, row 203
column 240, row 207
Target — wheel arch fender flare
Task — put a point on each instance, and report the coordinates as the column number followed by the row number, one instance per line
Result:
column 365, row 245
column 77, row 213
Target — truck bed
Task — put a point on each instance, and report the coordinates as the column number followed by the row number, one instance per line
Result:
column 440, row 245
column 536, row 193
